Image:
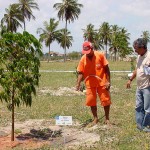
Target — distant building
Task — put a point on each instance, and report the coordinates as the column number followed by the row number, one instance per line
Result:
column 53, row 54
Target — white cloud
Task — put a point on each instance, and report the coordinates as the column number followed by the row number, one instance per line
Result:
column 137, row 7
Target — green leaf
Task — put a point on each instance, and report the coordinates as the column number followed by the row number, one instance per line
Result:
column 20, row 72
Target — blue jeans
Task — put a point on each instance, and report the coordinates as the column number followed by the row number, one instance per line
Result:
column 143, row 108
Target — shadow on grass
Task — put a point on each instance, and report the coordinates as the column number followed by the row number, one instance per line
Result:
column 43, row 134
column 86, row 123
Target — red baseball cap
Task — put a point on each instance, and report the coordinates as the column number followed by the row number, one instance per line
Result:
column 87, row 47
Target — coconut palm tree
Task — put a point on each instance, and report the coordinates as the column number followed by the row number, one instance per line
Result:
column 125, row 33
column 65, row 39
column 3, row 30
column 12, row 19
column 50, row 33
column 119, row 42
column 68, row 10
column 146, row 35
column 105, row 33
column 124, row 43
column 91, row 34
column 26, row 7
column 97, row 43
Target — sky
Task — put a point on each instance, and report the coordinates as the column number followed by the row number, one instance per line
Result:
column 133, row 15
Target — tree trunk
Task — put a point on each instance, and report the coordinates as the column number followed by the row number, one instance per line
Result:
column 65, row 42
column 24, row 24
column 49, row 53
column 13, row 120
column 106, row 51
column 115, row 54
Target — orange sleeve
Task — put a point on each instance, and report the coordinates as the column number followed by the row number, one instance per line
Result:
column 103, row 60
column 80, row 67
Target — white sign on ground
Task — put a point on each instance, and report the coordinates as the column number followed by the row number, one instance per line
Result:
column 63, row 120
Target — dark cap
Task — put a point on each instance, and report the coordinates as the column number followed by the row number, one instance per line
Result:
column 140, row 43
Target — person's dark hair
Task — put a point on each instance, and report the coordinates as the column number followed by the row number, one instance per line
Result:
column 140, row 43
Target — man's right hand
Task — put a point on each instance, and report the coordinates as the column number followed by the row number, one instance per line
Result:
column 128, row 84
column 79, row 79
column 77, row 87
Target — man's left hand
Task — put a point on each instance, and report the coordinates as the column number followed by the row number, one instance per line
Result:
column 107, row 86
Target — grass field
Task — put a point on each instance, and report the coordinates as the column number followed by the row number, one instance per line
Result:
column 123, row 136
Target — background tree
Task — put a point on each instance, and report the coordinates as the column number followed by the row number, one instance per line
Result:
column 146, row 36
column 119, row 45
column 26, row 6
column 19, row 72
column 3, row 29
column 124, row 48
column 105, row 33
column 91, row 34
column 74, row 55
column 65, row 38
column 68, row 10
column 50, row 33
column 12, row 19
column 125, row 33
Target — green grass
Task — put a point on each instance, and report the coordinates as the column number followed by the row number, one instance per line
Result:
column 120, row 65
column 123, row 136
column 71, row 65
column 67, row 66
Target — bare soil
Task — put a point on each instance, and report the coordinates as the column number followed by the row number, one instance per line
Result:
column 33, row 134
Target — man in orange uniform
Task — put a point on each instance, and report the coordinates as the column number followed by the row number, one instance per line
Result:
column 93, row 69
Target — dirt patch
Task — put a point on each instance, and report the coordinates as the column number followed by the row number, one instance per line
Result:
column 36, row 133
column 60, row 91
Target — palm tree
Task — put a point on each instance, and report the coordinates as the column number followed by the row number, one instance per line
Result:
column 124, row 48
column 26, row 7
column 65, row 39
column 115, row 40
column 90, row 34
column 146, row 35
column 105, row 33
column 97, row 43
column 50, row 33
column 12, row 18
column 68, row 10
column 125, row 33
column 3, row 29
column 119, row 42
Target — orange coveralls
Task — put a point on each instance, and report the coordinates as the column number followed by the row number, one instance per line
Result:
column 95, row 78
